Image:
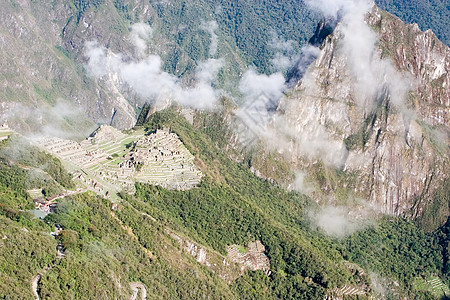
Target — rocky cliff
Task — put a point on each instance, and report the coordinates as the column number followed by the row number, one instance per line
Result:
column 371, row 121
column 43, row 52
column 40, row 65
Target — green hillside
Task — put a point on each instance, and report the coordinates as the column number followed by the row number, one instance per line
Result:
column 109, row 248
column 158, row 237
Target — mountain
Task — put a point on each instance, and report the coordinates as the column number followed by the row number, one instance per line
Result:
column 221, row 179
column 47, row 76
column 427, row 14
column 392, row 152
column 235, row 236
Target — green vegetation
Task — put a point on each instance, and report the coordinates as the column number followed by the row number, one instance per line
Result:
column 102, row 258
column 26, row 246
column 23, row 253
column 431, row 14
column 433, row 285
column 24, row 167
column 13, row 189
column 277, row 222
column 256, row 285
column 252, row 24
column 82, row 5
column 63, row 51
column 19, row 151
column 107, row 249
column 232, row 206
column 398, row 250
column 47, row 95
column 442, row 237
column 241, row 249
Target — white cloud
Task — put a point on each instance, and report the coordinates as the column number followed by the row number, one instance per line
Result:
column 340, row 221
column 335, row 8
column 261, row 95
column 147, row 79
column 64, row 119
column 285, row 55
column 211, row 28
column 140, row 35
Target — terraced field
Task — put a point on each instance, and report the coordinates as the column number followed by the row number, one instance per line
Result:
column 110, row 161
column 434, row 285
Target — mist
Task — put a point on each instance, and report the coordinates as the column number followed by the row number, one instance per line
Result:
column 261, row 94
column 285, row 55
column 334, row 221
column 302, row 184
column 343, row 220
column 211, row 27
column 140, row 35
column 144, row 74
column 63, row 119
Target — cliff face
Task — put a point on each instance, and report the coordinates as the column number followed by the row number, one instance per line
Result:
column 43, row 47
column 386, row 130
column 423, row 56
column 38, row 70
column 43, row 50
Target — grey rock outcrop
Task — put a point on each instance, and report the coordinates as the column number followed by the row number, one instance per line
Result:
column 388, row 134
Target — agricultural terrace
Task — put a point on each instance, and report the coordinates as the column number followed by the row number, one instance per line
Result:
column 110, row 161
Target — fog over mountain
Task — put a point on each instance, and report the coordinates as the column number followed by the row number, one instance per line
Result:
column 224, row 149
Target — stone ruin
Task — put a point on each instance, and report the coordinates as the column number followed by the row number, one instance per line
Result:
column 106, row 133
column 253, row 258
column 110, row 161
column 229, row 268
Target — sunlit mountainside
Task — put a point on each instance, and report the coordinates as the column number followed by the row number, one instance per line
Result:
column 224, row 149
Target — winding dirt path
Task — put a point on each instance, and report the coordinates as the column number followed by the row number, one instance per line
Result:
column 136, row 286
column 35, row 281
column 66, row 194
column 34, row 285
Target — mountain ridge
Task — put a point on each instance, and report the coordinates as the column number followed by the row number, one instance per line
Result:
column 410, row 137
column 349, row 199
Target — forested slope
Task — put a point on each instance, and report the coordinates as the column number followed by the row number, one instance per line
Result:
column 428, row 14
column 245, row 34
column 113, row 245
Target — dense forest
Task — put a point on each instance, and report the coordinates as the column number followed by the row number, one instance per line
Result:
column 428, row 14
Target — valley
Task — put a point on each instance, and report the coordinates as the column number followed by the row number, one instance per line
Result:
column 213, row 149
